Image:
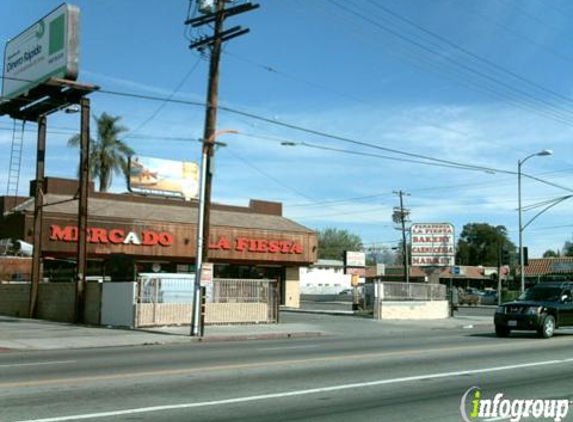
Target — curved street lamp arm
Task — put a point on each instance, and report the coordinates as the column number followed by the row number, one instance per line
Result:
column 548, row 207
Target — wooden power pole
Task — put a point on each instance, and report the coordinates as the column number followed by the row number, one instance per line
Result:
column 215, row 42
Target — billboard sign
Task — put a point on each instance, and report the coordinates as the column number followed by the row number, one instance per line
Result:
column 433, row 245
column 48, row 48
column 156, row 176
column 354, row 259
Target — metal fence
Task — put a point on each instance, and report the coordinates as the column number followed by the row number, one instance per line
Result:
column 389, row 291
column 162, row 301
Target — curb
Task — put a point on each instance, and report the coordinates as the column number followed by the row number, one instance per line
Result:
column 267, row 336
column 320, row 312
column 180, row 340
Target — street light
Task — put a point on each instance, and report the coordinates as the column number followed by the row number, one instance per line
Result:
column 203, row 221
column 541, row 153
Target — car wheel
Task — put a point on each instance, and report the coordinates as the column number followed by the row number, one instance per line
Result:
column 502, row 331
column 547, row 328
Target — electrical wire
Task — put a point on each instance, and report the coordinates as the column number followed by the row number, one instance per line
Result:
column 164, row 103
column 471, row 54
column 519, row 96
column 450, row 163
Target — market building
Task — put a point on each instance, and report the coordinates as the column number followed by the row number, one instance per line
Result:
column 130, row 234
column 549, row 269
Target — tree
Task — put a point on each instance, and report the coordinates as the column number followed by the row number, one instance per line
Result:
column 550, row 253
column 568, row 249
column 380, row 255
column 399, row 253
column 333, row 242
column 108, row 153
column 479, row 244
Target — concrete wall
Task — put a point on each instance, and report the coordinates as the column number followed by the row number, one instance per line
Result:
column 14, row 299
column 411, row 310
column 292, row 289
column 149, row 314
column 56, row 301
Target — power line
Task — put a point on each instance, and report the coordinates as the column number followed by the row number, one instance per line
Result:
column 366, row 154
column 306, row 130
column 459, row 165
column 515, row 95
column 274, row 179
column 471, row 54
column 167, row 99
column 517, row 34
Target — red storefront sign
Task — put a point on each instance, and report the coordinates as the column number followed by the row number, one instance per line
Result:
column 113, row 236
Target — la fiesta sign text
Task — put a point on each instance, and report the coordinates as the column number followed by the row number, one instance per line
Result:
column 243, row 244
column 113, row 236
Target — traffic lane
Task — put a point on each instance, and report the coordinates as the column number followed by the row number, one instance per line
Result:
column 430, row 399
column 83, row 363
column 123, row 391
column 481, row 311
column 117, row 361
column 417, row 402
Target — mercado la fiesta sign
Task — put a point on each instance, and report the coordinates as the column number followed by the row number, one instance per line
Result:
column 120, row 236
column 433, row 244
column 48, row 48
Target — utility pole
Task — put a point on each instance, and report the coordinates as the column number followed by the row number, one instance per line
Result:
column 83, row 210
column 400, row 216
column 216, row 15
column 38, row 216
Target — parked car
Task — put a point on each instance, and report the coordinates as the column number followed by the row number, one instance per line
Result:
column 489, row 297
column 469, row 297
column 543, row 308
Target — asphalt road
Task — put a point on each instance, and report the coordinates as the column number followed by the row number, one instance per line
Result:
column 415, row 375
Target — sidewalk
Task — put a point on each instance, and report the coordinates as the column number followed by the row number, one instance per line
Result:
column 27, row 334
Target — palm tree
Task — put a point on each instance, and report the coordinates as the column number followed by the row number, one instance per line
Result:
column 108, row 153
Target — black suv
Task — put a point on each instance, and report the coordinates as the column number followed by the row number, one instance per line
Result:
column 543, row 308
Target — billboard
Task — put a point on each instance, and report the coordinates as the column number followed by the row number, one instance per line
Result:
column 433, row 244
column 156, row 176
column 354, row 259
column 48, row 48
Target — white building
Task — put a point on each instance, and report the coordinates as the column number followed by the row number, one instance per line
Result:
column 325, row 277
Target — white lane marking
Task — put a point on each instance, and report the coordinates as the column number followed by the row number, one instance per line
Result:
column 310, row 346
column 54, row 362
column 295, row 393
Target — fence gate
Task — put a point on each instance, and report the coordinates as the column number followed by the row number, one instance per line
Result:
column 164, row 301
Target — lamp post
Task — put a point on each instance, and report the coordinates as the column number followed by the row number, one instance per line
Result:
column 541, row 153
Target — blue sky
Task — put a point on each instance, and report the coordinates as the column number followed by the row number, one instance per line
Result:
column 484, row 83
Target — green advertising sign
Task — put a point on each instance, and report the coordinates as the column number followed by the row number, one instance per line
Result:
column 48, row 48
